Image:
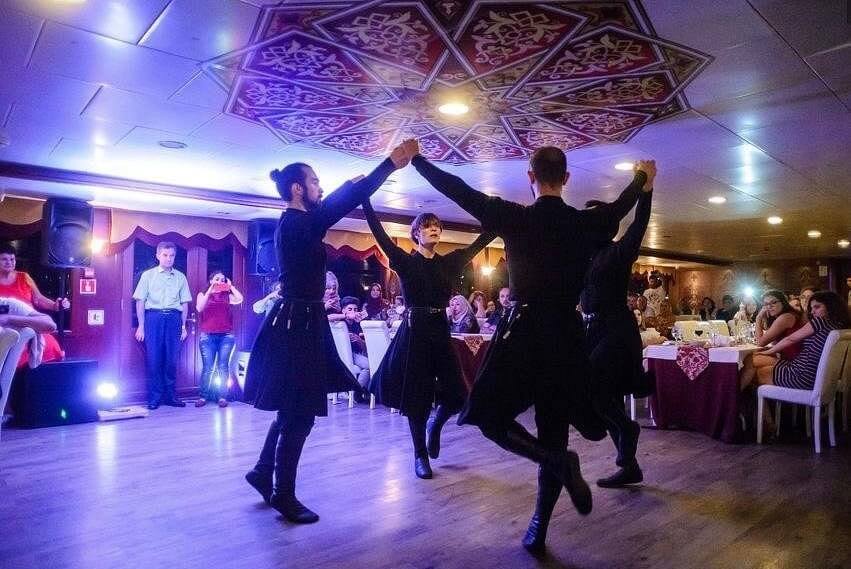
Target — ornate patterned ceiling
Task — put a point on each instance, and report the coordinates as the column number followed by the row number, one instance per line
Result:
column 358, row 77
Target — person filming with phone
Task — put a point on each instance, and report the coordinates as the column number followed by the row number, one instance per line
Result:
column 216, row 337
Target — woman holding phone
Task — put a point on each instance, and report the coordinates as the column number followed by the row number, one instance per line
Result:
column 216, row 337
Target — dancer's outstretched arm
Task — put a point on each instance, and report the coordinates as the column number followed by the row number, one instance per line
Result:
column 629, row 245
column 490, row 211
column 463, row 256
column 396, row 255
column 351, row 194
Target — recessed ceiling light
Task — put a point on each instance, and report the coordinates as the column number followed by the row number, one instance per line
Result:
column 843, row 243
column 813, row 233
column 453, row 108
column 173, row 144
column 775, row 220
column 623, row 166
column 717, row 199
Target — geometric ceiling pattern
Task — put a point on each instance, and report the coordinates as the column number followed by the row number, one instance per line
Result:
column 357, row 78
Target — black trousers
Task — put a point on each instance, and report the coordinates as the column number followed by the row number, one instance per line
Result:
column 162, row 347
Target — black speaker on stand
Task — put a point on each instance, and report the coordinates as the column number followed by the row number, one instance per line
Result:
column 66, row 241
column 262, row 255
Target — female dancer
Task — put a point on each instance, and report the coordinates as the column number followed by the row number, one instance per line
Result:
column 294, row 363
column 421, row 350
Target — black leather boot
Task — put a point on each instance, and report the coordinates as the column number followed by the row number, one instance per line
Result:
column 435, row 426
column 564, row 464
column 260, row 481
column 287, row 455
column 549, row 489
column 260, row 477
column 422, row 468
column 629, row 474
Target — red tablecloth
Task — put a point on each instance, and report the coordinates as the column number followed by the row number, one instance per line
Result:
column 710, row 403
column 471, row 353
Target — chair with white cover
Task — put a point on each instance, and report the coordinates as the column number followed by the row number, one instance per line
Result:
column 377, row 336
column 340, row 332
column 834, row 359
column 12, row 345
column 719, row 327
column 687, row 328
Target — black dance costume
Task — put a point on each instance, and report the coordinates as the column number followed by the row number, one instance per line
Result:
column 420, row 366
column 615, row 343
column 294, row 363
column 538, row 355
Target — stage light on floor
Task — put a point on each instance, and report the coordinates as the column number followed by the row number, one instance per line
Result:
column 98, row 245
column 107, row 390
column 63, row 414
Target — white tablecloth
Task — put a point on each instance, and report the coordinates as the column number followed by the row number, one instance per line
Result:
column 730, row 355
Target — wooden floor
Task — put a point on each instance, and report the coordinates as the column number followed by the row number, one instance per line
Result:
column 167, row 491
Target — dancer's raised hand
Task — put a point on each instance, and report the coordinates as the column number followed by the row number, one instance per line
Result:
column 649, row 168
column 412, row 147
column 400, row 156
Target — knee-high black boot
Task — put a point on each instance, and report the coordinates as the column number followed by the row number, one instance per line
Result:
column 564, row 464
column 435, row 426
column 549, row 488
column 260, row 477
column 417, row 424
column 287, row 454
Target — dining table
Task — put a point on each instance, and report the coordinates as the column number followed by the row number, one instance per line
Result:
column 697, row 388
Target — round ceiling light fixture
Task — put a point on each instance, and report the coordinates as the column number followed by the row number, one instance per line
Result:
column 775, row 220
column 717, row 199
column 843, row 243
column 454, row 108
column 172, row 144
column 813, row 233
column 624, row 166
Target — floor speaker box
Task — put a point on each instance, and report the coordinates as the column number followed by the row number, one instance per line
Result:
column 57, row 393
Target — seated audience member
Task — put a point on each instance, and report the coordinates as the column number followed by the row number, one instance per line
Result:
column 397, row 311
column 804, row 297
column 775, row 320
column 747, row 310
column 352, row 317
column 331, row 298
column 375, row 306
column 794, row 301
column 641, row 302
column 504, row 305
column 663, row 322
column 727, row 310
column 491, row 308
column 707, row 309
column 685, row 306
column 14, row 313
column 827, row 312
column 265, row 304
column 477, row 301
column 461, row 317
column 20, row 285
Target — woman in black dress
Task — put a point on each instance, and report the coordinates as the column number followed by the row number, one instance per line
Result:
column 294, row 363
column 614, row 342
column 420, row 366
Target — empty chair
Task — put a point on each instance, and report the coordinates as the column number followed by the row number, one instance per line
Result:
column 719, row 327
column 377, row 336
column 687, row 329
column 340, row 332
column 834, row 359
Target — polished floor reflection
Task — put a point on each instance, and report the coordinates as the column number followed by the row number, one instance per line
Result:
column 167, row 491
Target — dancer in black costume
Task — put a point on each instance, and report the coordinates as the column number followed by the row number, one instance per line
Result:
column 614, row 341
column 538, row 355
column 294, row 363
column 420, row 366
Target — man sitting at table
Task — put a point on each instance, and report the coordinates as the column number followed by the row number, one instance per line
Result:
column 352, row 317
column 504, row 304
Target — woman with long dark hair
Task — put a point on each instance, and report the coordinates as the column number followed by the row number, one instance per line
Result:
column 827, row 312
column 375, row 305
column 775, row 320
column 294, row 363
column 216, row 341
column 420, row 366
